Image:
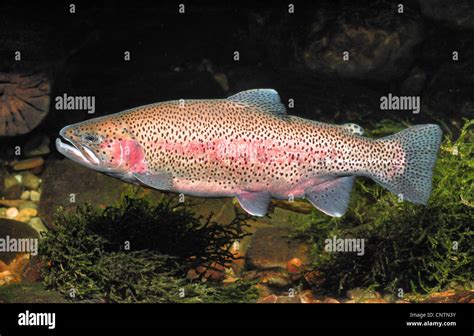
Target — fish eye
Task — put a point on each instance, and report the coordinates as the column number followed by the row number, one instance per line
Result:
column 91, row 138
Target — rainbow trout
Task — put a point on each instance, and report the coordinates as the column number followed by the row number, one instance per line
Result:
column 247, row 146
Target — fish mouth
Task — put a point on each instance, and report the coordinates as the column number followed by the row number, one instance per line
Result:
column 76, row 152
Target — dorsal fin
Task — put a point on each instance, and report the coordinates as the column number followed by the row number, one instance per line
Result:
column 266, row 100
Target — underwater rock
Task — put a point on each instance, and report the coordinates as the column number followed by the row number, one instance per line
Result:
column 29, row 292
column 28, row 205
column 278, row 279
column 288, row 299
column 24, row 102
column 37, row 146
column 28, row 212
column 456, row 14
column 272, row 298
column 28, row 164
column 379, row 47
column 31, row 181
column 330, row 300
column 12, row 192
column 374, row 300
column 12, row 203
column 35, row 196
column 450, row 296
column 272, row 248
column 69, row 185
column 362, row 294
column 14, row 229
column 10, row 181
column 307, row 296
column 25, row 195
column 37, row 224
column 12, row 213
column 314, row 278
column 214, row 272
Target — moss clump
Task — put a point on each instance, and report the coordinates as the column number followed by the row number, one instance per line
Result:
column 134, row 251
column 416, row 248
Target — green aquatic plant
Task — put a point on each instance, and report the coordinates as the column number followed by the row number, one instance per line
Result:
column 409, row 247
column 136, row 251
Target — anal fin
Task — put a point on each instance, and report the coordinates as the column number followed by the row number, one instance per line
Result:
column 255, row 203
column 332, row 197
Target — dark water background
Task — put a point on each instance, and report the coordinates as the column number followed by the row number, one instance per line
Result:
column 176, row 55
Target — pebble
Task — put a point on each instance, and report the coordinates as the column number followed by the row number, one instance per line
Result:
column 10, row 181
column 361, row 294
column 31, row 181
column 12, row 212
column 12, row 203
column 35, row 196
column 375, row 300
column 269, row 299
column 28, row 164
column 23, row 219
column 330, row 300
column 308, row 297
column 37, row 224
column 37, row 147
column 28, row 212
column 25, row 195
column 274, row 278
column 13, row 192
column 28, row 205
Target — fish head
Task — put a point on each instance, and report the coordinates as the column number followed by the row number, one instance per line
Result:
column 103, row 144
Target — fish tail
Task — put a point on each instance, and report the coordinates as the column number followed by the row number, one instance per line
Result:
column 409, row 156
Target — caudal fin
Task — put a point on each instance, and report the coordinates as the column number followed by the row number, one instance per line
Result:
column 413, row 154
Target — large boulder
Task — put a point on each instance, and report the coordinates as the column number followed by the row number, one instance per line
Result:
column 379, row 47
column 65, row 181
column 69, row 185
column 457, row 14
column 14, row 230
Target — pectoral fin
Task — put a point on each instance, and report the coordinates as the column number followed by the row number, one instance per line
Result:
column 159, row 180
column 255, row 203
column 332, row 197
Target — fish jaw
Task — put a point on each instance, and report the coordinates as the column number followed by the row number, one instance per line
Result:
column 78, row 153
